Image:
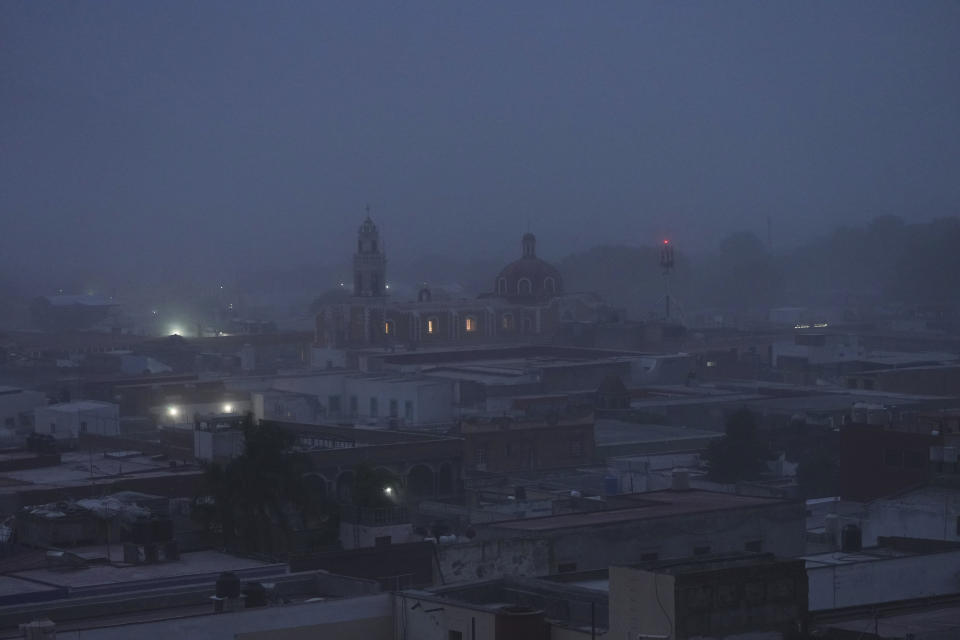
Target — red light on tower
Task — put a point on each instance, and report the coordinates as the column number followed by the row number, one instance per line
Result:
column 666, row 255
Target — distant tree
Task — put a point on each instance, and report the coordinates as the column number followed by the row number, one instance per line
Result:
column 260, row 498
column 740, row 454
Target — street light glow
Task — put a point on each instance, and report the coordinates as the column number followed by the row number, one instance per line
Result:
column 388, row 491
column 228, row 408
column 173, row 412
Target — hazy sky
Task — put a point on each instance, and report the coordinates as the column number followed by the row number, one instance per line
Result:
column 140, row 135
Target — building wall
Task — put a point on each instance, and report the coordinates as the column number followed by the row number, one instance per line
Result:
column 876, row 462
column 364, row 629
column 18, row 406
column 491, row 559
column 883, row 580
column 433, row 620
column 358, row 536
column 68, row 424
column 217, row 445
column 641, row 602
column 927, row 513
column 780, row 528
column 516, row 448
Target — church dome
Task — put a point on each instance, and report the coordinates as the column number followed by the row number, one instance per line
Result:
column 528, row 278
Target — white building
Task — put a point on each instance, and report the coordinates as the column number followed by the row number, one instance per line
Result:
column 17, row 406
column 68, row 420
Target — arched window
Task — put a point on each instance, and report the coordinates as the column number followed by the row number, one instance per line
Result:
column 470, row 324
column 507, row 321
column 549, row 285
column 527, row 325
column 502, row 286
column 524, row 287
column 433, row 324
column 388, row 327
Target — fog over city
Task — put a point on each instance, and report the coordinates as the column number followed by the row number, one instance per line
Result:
column 145, row 141
column 442, row 320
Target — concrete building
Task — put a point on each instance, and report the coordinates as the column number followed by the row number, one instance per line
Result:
column 714, row 597
column 17, row 406
column 192, row 598
column 504, row 444
column 659, row 525
column 67, row 421
column 896, row 569
column 503, row 609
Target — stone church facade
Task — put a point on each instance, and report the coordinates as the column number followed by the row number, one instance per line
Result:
column 526, row 304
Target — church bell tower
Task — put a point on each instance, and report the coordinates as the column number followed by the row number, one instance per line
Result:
column 369, row 262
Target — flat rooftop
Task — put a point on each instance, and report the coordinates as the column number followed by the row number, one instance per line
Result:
column 78, row 468
column 929, row 622
column 190, row 566
column 649, row 506
column 80, row 405
column 612, row 432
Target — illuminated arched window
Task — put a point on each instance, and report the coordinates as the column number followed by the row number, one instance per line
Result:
column 524, row 287
column 470, row 324
column 507, row 321
column 433, row 324
column 388, row 327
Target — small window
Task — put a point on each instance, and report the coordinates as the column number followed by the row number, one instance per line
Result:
column 509, row 449
column 914, row 459
column 566, row 567
column 394, row 412
column 958, row 525
column 9, row 422
column 524, row 288
column 753, row 592
column 432, row 325
column 698, row 597
column 502, row 286
column 83, row 426
column 893, row 458
column 408, row 411
column 727, row 595
column 753, row 546
column 53, row 427
column 388, row 327
column 334, row 403
column 781, row 590
column 507, row 321
column 549, row 285
column 382, row 541
column 576, row 447
column 701, row 551
column 470, row 324
column 454, row 635
column 374, row 410
column 481, row 455
column 354, row 406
